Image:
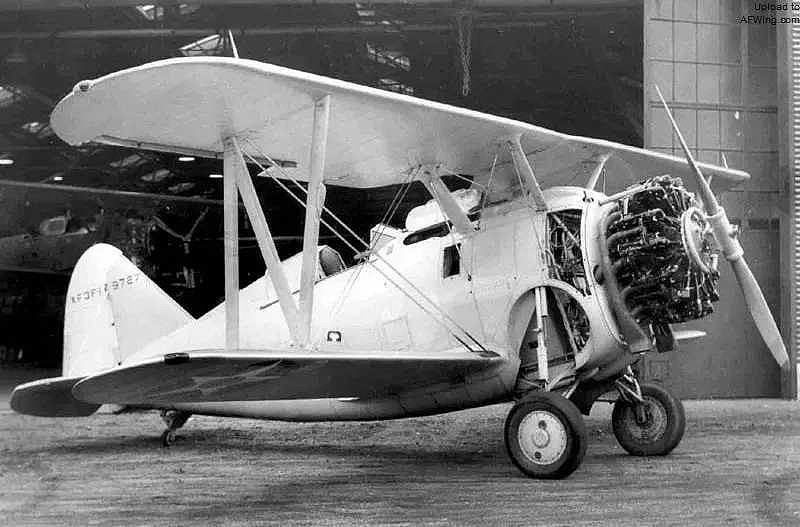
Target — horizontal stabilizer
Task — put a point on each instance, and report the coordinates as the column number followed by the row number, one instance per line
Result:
column 50, row 398
column 216, row 376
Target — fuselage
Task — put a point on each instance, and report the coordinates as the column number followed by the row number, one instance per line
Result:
column 482, row 283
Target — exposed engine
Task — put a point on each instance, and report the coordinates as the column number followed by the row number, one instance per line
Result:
column 565, row 260
column 662, row 254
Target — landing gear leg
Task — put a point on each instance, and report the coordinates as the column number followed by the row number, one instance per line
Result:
column 545, row 436
column 174, row 419
column 647, row 419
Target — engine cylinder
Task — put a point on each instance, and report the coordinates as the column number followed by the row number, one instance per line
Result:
column 662, row 254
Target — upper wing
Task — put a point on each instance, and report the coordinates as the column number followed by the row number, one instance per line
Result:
column 214, row 376
column 187, row 105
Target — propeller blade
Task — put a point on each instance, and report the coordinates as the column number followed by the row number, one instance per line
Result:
column 759, row 310
column 732, row 249
column 708, row 198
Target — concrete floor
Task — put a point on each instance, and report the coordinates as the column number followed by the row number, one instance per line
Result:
column 738, row 464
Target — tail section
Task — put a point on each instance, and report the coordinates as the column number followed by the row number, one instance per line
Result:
column 112, row 310
column 50, row 398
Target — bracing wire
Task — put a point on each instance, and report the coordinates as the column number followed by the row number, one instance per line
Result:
column 443, row 314
column 387, row 218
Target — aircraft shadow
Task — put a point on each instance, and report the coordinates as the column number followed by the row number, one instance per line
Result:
column 290, row 476
column 198, row 443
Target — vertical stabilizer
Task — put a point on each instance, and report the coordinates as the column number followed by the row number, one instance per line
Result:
column 112, row 310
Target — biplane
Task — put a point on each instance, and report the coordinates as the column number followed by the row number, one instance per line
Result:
column 535, row 285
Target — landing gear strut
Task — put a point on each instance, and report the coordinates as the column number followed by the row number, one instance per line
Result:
column 647, row 419
column 174, row 419
column 545, row 436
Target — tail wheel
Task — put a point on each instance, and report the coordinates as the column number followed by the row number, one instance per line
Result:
column 174, row 419
column 652, row 428
column 167, row 438
column 545, row 436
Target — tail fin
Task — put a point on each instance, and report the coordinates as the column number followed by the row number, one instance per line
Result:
column 112, row 310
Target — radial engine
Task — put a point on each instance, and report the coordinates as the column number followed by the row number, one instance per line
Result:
column 662, row 255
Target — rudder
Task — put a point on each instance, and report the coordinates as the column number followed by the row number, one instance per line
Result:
column 112, row 310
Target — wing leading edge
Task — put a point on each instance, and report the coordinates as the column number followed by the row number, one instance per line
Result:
column 216, row 376
column 188, row 105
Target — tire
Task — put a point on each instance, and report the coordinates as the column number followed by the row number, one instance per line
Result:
column 662, row 430
column 167, row 438
column 545, row 436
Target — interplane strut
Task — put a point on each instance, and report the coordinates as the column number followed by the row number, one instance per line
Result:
column 315, row 201
column 420, row 300
column 237, row 177
column 598, row 171
column 231, row 228
column 525, row 173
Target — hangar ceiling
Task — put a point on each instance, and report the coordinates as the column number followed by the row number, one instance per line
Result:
column 574, row 66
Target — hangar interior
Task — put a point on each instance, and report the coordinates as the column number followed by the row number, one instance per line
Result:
column 577, row 66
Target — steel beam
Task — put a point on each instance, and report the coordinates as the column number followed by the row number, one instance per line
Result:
column 127, row 194
column 129, row 33
column 24, row 5
column 314, row 203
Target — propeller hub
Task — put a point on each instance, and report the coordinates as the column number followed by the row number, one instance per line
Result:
column 697, row 236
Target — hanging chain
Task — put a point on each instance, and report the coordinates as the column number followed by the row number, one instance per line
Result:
column 464, row 28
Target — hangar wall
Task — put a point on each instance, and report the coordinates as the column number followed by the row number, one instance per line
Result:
column 721, row 78
column 789, row 141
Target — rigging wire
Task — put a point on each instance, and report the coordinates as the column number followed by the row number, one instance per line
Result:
column 347, row 228
column 387, row 218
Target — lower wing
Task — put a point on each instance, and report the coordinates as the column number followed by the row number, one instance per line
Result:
column 216, row 376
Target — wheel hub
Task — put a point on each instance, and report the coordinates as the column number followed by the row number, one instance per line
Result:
column 542, row 437
column 642, row 414
column 648, row 421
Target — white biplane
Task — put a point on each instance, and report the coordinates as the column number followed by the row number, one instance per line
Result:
column 515, row 289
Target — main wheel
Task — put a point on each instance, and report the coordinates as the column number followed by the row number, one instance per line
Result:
column 651, row 429
column 545, row 436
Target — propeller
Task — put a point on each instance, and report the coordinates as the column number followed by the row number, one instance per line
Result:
column 726, row 237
